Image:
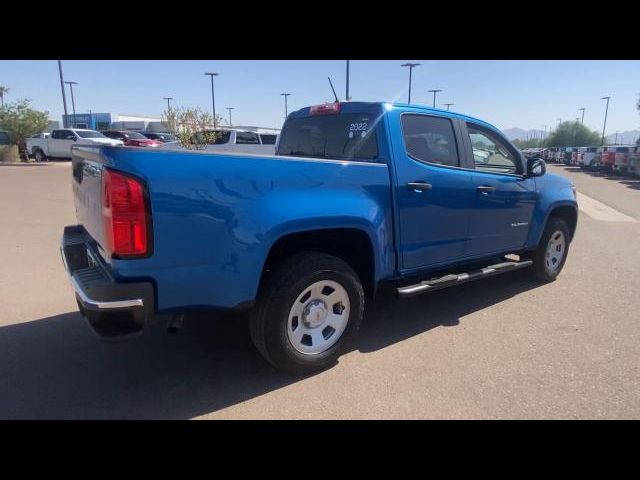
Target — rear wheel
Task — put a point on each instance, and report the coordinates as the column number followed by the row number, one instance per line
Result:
column 309, row 310
column 551, row 254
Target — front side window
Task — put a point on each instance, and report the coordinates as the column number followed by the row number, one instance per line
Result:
column 60, row 134
column 268, row 139
column 430, row 139
column 491, row 154
column 247, row 138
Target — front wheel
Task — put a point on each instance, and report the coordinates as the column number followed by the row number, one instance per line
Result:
column 39, row 156
column 309, row 310
column 551, row 254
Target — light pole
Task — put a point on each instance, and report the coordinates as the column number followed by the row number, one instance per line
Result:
column 544, row 139
column 168, row 99
column 73, row 103
column 230, row 108
column 64, row 96
column 347, row 97
column 605, row 117
column 213, row 97
column 411, row 67
column 434, row 96
column 559, row 121
column 448, row 105
column 583, row 109
column 286, row 109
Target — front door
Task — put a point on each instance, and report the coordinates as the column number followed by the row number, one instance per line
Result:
column 60, row 143
column 503, row 197
column 434, row 194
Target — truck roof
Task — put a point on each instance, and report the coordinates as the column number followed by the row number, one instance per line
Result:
column 355, row 107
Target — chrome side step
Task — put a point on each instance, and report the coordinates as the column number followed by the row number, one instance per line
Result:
column 459, row 278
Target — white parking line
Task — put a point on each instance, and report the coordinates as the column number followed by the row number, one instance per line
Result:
column 599, row 211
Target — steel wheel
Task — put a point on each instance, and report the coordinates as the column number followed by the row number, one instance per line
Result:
column 39, row 157
column 555, row 251
column 318, row 317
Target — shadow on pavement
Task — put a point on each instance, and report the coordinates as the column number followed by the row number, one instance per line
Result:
column 56, row 368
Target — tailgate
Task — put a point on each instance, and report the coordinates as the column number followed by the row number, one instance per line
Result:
column 87, row 168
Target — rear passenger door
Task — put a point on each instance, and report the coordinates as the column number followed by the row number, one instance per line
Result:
column 434, row 192
column 503, row 198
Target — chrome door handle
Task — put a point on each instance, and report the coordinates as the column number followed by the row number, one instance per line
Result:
column 419, row 186
column 486, row 189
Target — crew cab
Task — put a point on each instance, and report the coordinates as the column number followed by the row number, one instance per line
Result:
column 58, row 144
column 131, row 139
column 359, row 198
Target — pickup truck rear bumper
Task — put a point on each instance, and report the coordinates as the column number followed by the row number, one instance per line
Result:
column 114, row 310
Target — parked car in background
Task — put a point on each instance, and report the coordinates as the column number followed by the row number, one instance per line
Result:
column 4, row 138
column 607, row 158
column 621, row 159
column 131, row 139
column 160, row 137
column 59, row 143
column 634, row 160
column 232, row 140
column 587, row 157
column 574, row 156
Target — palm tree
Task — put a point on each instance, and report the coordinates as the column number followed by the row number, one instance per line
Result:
column 3, row 90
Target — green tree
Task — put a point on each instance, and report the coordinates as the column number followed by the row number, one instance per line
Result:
column 20, row 121
column 573, row 134
column 192, row 126
column 3, row 92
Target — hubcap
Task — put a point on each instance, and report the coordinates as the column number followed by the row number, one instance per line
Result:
column 555, row 252
column 318, row 317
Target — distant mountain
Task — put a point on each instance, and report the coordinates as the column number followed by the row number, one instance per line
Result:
column 516, row 133
column 624, row 138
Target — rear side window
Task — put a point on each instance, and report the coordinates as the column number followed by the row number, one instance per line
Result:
column 348, row 136
column 245, row 138
column 430, row 139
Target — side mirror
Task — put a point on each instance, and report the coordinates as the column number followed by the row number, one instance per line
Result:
column 536, row 167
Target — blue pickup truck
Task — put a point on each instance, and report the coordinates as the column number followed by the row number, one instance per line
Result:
column 358, row 196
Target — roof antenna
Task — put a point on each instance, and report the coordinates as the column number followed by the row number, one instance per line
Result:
column 334, row 90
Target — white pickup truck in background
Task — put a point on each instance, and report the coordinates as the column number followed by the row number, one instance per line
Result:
column 58, row 143
column 234, row 141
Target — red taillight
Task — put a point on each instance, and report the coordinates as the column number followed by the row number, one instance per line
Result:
column 125, row 215
column 325, row 109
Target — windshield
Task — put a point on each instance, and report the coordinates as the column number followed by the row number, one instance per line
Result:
column 349, row 136
column 89, row 134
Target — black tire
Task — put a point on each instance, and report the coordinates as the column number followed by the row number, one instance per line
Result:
column 539, row 269
column 268, row 323
column 39, row 156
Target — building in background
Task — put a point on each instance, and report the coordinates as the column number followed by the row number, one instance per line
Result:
column 105, row 121
column 53, row 125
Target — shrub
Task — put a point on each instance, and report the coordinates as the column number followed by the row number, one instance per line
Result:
column 8, row 153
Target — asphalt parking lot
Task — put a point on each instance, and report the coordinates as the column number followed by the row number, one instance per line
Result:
column 499, row 348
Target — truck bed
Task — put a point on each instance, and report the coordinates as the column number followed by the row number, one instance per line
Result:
column 215, row 216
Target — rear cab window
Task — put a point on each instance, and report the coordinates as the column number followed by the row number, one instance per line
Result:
column 340, row 136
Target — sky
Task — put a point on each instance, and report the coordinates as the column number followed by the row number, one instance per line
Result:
column 525, row 94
